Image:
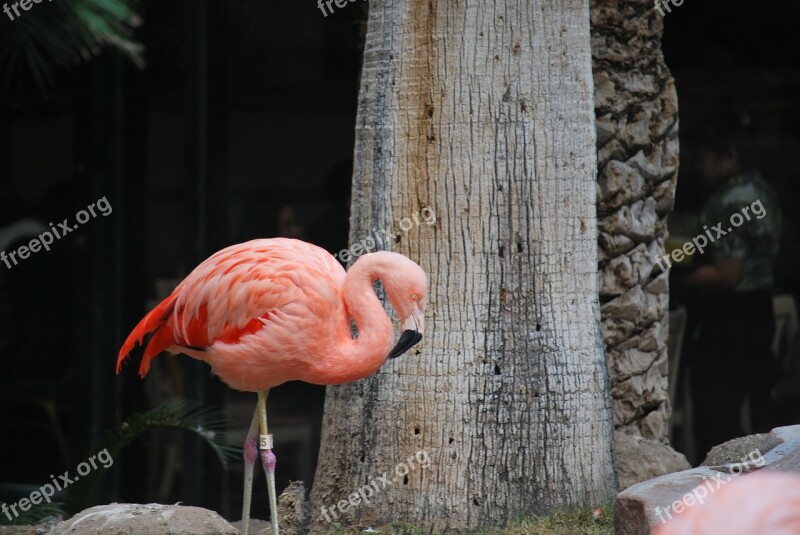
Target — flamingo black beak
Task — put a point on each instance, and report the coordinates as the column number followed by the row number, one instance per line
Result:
column 413, row 327
column 407, row 340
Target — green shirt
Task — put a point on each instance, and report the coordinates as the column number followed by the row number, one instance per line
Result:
column 747, row 211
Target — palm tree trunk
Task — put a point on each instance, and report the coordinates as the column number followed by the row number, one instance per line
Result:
column 484, row 113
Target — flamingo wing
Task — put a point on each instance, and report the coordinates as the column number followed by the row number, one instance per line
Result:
column 235, row 292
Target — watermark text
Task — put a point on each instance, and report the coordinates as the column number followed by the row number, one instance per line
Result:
column 376, row 485
column 701, row 241
column 321, row 4
column 46, row 238
column 371, row 241
column 26, row 5
column 711, row 484
column 661, row 5
column 47, row 491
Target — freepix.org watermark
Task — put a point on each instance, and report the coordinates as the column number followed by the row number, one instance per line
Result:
column 371, row 241
column 47, row 491
column 339, row 3
column 24, row 4
column 377, row 485
column 46, row 238
column 711, row 484
column 700, row 242
column 661, row 5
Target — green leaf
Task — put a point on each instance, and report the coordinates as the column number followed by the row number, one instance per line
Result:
column 35, row 514
column 207, row 423
column 54, row 35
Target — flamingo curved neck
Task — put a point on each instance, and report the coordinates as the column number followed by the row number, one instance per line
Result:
column 366, row 353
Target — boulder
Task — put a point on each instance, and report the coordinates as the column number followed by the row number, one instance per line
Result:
column 20, row 530
column 652, row 502
column 641, row 459
column 734, row 449
column 149, row 519
column 649, row 503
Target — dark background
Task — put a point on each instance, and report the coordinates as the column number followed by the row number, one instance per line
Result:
column 736, row 58
column 242, row 126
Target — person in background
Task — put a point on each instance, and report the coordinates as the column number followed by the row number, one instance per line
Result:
column 731, row 358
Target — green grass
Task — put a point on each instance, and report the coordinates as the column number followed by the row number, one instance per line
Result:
column 578, row 522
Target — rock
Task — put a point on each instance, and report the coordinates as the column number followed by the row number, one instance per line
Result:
column 637, row 82
column 784, row 457
column 613, row 150
column 649, row 503
column 764, row 502
column 149, row 519
column 637, row 220
column 620, row 184
column 651, row 339
column 632, row 395
column 292, row 510
column 787, row 434
column 637, row 155
column 623, row 272
column 658, row 286
column 635, row 129
column 733, row 450
column 626, row 307
column 629, row 362
column 605, row 129
column 646, row 504
column 19, row 530
column 664, row 194
column 613, row 245
column 604, row 92
column 641, row 459
column 654, row 424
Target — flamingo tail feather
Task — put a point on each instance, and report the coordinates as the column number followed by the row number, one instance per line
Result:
column 157, row 321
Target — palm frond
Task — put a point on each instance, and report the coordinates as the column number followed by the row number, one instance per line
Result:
column 54, row 35
column 207, row 423
column 34, row 515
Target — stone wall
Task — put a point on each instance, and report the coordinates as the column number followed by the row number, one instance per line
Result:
column 637, row 144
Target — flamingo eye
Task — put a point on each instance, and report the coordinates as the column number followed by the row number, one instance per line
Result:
column 415, row 297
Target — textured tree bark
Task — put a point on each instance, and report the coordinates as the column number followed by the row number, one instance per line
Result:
column 484, row 113
column 637, row 142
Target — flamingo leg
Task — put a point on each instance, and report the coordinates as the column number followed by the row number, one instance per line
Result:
column 250, row 456
column 268, row 459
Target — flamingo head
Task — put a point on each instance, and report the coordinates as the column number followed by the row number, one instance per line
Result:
column 407, row 289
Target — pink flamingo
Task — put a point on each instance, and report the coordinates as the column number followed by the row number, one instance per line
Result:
column 269, row 311
column 764, row 503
